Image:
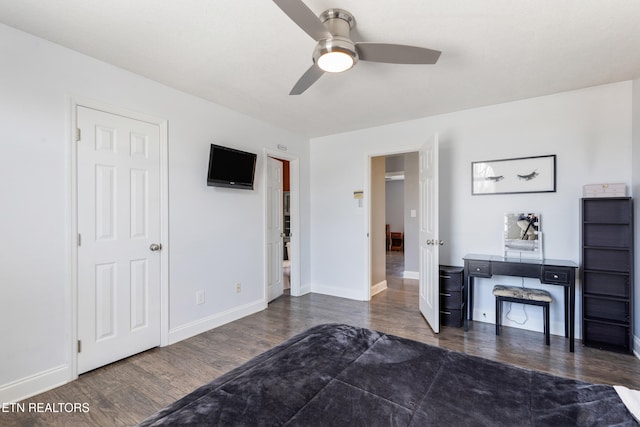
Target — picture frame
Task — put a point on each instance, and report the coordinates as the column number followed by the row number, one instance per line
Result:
column 535, row 174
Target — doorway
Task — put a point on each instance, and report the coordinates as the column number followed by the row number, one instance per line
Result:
column 282, row 266
column 426, row 216
column 394, row 198
column 275, row 228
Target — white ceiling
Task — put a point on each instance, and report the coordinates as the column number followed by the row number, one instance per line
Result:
column 248, row 54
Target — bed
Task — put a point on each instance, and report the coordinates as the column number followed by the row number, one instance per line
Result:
column 340, row 375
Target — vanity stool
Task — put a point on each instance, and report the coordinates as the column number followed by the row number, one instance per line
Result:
column 523, row 296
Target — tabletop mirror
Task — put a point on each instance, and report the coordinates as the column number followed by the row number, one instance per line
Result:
column 522, row 235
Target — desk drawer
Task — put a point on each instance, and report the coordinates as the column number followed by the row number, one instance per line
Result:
column 480, row 268
column 554, row 275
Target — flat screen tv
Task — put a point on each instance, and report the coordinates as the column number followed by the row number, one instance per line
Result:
column 231, row 168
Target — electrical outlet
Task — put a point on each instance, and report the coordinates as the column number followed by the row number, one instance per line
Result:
column 238, row 288
column 200, row 297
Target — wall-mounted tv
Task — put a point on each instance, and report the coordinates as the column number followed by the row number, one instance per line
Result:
column 231, row 168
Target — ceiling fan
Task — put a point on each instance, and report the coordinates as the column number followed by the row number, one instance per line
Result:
column 335, row 52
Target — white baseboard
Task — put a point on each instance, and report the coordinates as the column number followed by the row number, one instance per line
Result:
column 411, row 275
column 202, row 325
column 339, row 292
column 378, row 287
column 303, row 291
column 34, row 384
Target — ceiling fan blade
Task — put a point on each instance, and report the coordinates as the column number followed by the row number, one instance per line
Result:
column 305, row 18
column 396, row 53
column 308, row 78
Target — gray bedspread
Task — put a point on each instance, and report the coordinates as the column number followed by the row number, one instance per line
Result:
column 340, row 375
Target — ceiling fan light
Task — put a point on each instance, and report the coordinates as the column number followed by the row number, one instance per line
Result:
column 335, row 61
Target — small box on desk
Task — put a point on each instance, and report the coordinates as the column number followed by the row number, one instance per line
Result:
column 604, row 190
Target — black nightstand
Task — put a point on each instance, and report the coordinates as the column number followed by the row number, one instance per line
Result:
column 452, row 301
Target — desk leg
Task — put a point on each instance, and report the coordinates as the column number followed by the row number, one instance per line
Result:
column 566, row 311
column 572, row 313
column 469, row 315
column 471, row 280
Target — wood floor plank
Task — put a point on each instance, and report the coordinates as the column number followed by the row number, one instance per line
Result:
column 128, row 391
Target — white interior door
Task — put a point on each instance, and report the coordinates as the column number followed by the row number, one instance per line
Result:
column 429, row 243
column 275, row 229
column 118, row 169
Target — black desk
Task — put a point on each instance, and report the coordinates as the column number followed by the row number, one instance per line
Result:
column 548, row 271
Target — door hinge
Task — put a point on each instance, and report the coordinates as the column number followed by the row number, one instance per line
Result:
column 79, row 346
column 79, row 239
column 78, row 134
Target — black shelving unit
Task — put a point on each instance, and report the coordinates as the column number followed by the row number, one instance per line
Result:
column 607, row 273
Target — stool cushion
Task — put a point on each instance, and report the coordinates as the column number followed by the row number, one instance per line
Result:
column 522, row 293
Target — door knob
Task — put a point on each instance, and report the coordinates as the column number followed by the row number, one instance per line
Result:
column 441, row 242
column 155, row 247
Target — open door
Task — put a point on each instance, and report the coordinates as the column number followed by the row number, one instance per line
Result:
column 428, row 234
column 275, row 229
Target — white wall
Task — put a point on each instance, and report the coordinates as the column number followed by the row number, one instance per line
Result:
column 589, row 130
column 411, row 223
column 394, row 206
column 214, row 234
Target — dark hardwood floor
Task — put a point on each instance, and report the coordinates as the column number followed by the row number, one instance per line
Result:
column 128, row 391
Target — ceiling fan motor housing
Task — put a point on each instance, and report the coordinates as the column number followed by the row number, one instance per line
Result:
column 339, row 22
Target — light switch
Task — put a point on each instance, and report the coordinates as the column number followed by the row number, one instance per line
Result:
column 413, row 213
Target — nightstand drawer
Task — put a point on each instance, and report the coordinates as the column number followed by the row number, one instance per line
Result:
column 450, row 300
column 552, row 275
column 480, row 268
column 451, row 318
column 450, row 278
